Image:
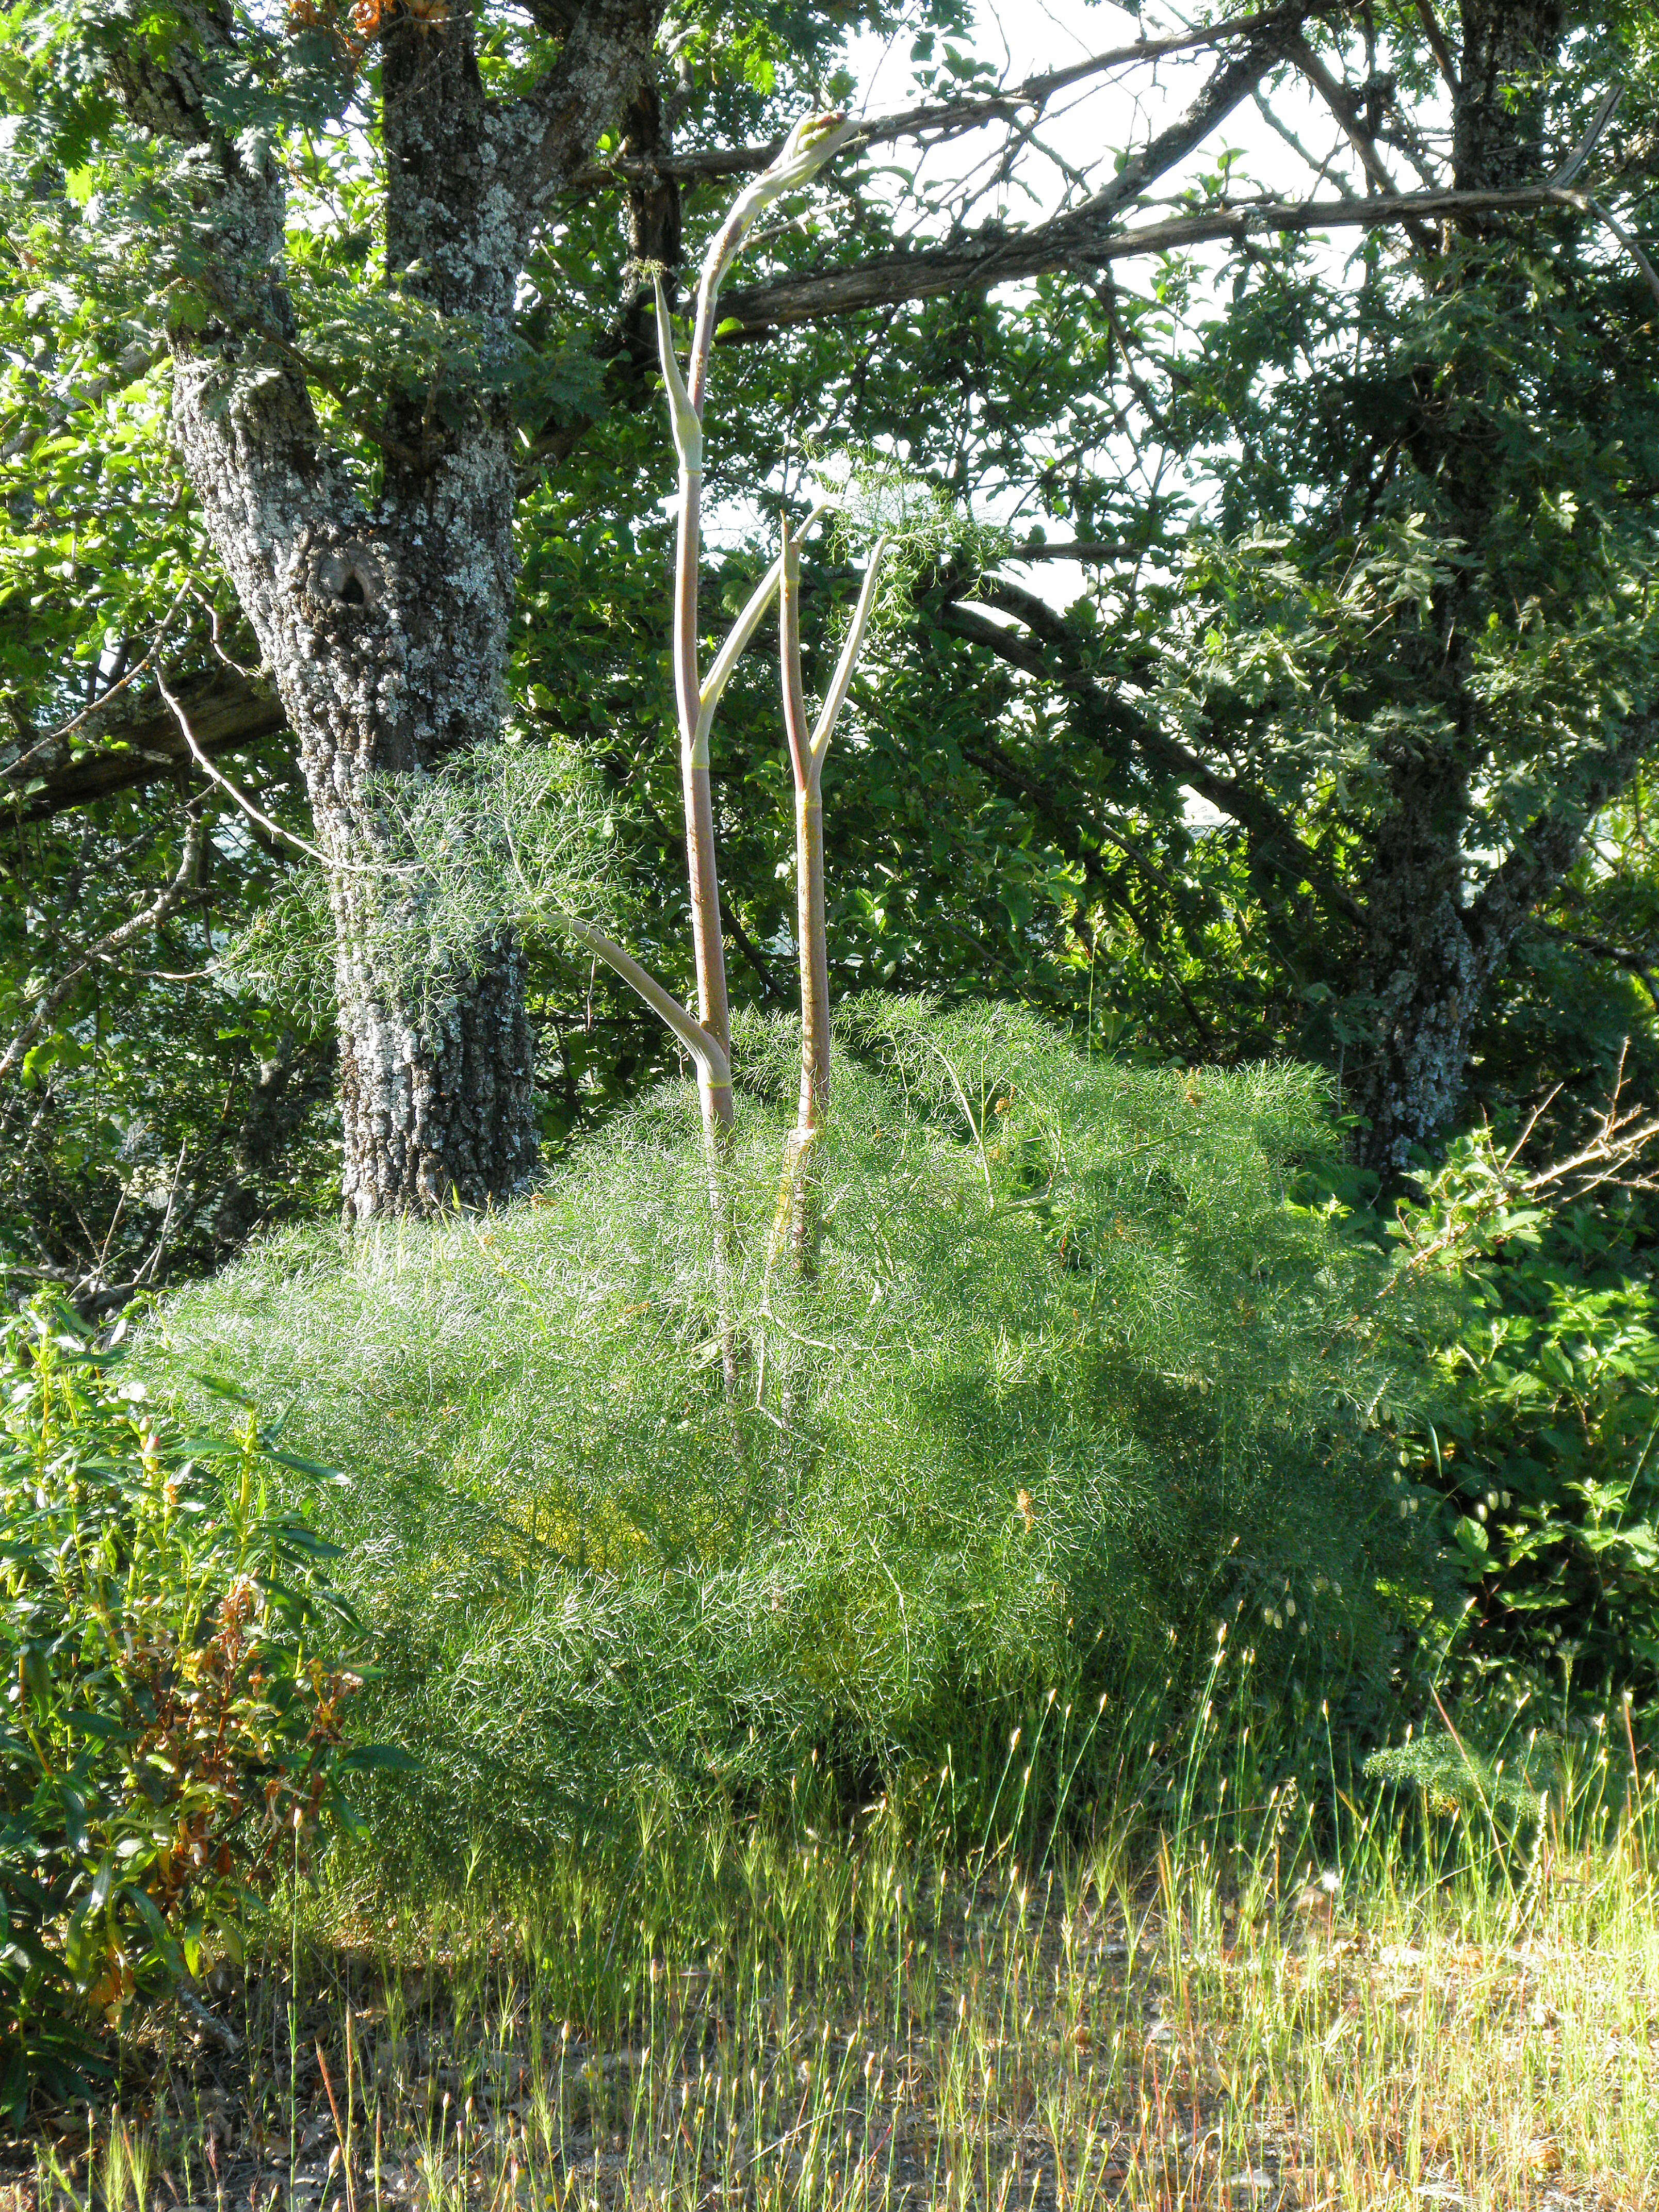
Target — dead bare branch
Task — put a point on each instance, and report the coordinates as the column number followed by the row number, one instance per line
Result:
column 948, row 119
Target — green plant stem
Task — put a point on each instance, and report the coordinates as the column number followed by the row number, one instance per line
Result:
column 807, row 749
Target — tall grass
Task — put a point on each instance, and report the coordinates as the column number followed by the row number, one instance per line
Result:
column 773, row 2012
column 1078, row 1381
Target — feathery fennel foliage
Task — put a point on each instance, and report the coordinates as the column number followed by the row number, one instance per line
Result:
column 1076, row 1378
column 1454, row 1775
column 516, row 836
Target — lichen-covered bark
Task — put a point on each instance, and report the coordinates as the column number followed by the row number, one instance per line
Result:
column 1428, row 969
column 1433, row 945
column 386, row 627
column 386, row 631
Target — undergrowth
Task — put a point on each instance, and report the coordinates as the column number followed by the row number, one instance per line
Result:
column 174, row 1704
column 777, row 2013
column 1076, row 1384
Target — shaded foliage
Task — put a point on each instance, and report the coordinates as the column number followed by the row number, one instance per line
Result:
column 1544, row 1440
column 171, row 1738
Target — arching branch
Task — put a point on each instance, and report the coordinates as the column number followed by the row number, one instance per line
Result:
column 181, row 891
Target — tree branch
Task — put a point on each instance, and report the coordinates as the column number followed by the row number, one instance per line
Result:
column 1644, row 966
column 1343, row 101
column 998, row 257
column 1090, row 552
column 166, row 902
column 1632, row 245
column 994, row 257
column 545, row 136
column 1547, row 848
column 1438, row 46
column 1050, row 653
column 1339, row 98
column 1088, row 238
column 226, row 713
column 950, row 118
column 1067, row 814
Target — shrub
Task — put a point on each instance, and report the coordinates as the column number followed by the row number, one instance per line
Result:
column 170, row 1734
column 1545, row 1438
column 1073, row 1379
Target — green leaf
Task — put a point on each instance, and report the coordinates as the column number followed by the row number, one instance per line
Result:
column 75, row 1818
column 221, row 1388
column 331, row 1476
column 99, row 1897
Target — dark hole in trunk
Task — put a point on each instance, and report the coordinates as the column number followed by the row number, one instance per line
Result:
column 352, row 593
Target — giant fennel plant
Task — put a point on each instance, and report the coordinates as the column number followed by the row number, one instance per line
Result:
column 1073, row 1381
column 765, row 1432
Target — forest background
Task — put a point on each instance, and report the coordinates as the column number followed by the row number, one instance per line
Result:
column 1264, row 411
column 1277, row 675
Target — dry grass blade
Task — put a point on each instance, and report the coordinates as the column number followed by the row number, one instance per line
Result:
column 778, row 2021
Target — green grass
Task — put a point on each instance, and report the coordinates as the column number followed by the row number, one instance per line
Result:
column 774, row 2015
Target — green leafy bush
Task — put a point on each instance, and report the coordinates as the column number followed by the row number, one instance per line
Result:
column 170, row 1734
column 1544, row 1440
column 1074, row 1379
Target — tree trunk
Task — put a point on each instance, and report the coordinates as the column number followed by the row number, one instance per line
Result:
column 385, row 632
column 385, row 625
column 1432, row 946
column 1427, row 972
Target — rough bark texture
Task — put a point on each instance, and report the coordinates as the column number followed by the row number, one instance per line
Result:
column 1432, row 949
column 385, row 626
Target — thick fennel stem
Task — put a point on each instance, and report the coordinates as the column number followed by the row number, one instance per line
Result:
column 713, row 1082
column 807, row 748
column 814, row 957
column 809, row 146
column 708, row 943
column 705, row 1050
column 714, row 1094
column 806, row 762
column 686, row 418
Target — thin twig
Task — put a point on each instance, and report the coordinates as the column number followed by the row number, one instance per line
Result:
column 68, row 729
column 944, row 118
column 272, row 829
column 1632, row 245
column 250, row 675
column 166, row 901
column 237, row 797
column 1622, row 1139
column 148, row 1269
